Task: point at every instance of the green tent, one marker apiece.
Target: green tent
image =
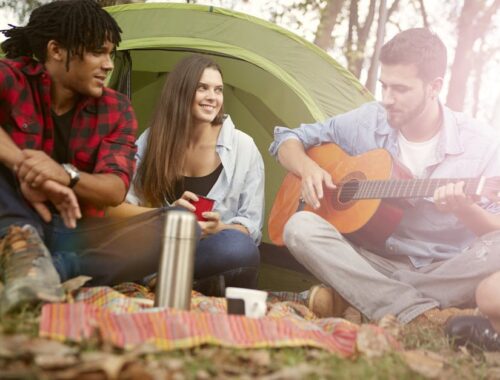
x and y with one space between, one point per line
271 76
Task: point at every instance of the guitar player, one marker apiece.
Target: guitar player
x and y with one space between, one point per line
444 245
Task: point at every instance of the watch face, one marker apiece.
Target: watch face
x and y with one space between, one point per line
74 174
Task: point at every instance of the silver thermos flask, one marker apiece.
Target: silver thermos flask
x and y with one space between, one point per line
175 275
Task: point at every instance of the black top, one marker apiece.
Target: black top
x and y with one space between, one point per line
62 130
197 185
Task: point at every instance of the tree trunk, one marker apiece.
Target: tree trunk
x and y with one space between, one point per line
423 12
352 27
355 53
495 117
371 81
474 20
462 64
327 22
481 58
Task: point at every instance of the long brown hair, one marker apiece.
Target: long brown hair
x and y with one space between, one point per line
170 131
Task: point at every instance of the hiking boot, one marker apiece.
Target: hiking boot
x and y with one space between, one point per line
473 330
27 270
325 302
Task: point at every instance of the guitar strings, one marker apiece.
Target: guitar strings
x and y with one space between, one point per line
351 188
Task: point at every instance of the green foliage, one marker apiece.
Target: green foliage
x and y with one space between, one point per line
22 321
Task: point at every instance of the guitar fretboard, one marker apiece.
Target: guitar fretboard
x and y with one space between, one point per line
397 188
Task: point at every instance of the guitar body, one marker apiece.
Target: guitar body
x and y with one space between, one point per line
367 222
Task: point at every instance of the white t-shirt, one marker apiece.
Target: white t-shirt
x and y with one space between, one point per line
417 156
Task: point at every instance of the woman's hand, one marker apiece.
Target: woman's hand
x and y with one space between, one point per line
212 225
184 201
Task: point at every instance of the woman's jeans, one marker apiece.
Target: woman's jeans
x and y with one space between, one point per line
117 250
229 256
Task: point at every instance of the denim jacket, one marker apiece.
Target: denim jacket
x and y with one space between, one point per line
239 190
466 148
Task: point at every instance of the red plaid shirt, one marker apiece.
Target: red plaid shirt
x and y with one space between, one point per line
103 129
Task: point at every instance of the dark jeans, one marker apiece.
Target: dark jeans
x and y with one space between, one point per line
117 250
229 253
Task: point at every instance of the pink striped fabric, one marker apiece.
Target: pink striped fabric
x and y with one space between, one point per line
169 329
123 322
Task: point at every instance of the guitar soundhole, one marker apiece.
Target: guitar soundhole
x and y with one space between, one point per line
348 191
344 196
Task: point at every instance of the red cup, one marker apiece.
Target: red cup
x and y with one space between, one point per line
203 204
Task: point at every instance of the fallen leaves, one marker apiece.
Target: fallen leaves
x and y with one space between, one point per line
440 316
260 358
53 362
22 356
22 346
375 341
74 284
426 363
391 325
372 342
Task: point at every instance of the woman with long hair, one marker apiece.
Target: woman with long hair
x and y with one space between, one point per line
192 149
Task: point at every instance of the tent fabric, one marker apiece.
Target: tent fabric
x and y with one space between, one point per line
271 76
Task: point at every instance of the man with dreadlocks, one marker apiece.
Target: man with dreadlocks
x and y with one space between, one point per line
66 142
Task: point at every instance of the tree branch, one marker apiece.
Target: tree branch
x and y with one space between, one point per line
392 8
423 12
327 22
484 21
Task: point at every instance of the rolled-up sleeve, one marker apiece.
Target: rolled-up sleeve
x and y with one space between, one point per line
308 134
141 145
251 205
117 149
340 129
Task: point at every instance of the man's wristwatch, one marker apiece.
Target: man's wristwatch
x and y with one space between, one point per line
74 174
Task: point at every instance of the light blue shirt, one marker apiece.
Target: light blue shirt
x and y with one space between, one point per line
466 148
239 190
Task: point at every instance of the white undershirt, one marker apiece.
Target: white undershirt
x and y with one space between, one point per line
417 156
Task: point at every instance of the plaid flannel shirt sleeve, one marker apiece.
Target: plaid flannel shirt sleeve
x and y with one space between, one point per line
9 92
117 149
15 102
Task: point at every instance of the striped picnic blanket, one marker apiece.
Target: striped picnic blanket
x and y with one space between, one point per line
128 322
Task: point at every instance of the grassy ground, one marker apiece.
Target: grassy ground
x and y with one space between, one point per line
425 353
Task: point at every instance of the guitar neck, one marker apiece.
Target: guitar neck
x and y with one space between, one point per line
405 188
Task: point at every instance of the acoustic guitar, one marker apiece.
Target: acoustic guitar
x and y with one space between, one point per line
366 206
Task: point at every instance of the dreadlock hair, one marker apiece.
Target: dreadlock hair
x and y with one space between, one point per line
78 25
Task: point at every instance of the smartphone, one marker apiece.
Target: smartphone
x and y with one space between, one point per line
202 205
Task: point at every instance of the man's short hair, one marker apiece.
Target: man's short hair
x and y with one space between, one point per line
418 46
